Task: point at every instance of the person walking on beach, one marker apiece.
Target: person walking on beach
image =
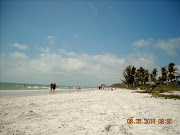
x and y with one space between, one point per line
51 85
54 86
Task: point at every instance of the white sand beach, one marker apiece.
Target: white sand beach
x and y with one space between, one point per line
101 112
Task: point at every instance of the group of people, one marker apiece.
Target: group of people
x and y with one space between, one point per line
53 86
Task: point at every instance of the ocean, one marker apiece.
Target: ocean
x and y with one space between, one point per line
20 89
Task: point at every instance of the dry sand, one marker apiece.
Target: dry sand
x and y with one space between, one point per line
100 112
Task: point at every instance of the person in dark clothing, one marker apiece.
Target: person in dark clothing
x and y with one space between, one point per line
54 86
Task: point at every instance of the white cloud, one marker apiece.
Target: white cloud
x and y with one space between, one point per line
169 46
42 54
13 65
51 40
139 59
109 59
19 46
76 69
17 55
70 68
46 50
62 51
142 42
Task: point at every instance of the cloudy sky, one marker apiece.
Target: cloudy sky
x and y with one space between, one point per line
77 42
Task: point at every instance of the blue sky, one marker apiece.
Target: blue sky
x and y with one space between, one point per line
86 42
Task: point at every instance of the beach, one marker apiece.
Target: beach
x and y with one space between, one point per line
99 112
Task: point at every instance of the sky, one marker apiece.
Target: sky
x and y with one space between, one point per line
86 43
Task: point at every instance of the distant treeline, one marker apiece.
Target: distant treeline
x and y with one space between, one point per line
134 77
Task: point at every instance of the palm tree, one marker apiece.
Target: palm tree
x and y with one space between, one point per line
171 70
128 74
164 73
153 75
137 77
159 81
146 76
142 75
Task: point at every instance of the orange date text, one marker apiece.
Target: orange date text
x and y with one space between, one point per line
149 121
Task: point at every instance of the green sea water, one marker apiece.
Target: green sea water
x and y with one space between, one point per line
20 89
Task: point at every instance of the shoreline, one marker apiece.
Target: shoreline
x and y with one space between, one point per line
21 93
99 112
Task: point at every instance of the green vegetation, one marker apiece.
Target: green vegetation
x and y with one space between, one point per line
147 81
146 86
133 77
166 96
166 88
160 88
